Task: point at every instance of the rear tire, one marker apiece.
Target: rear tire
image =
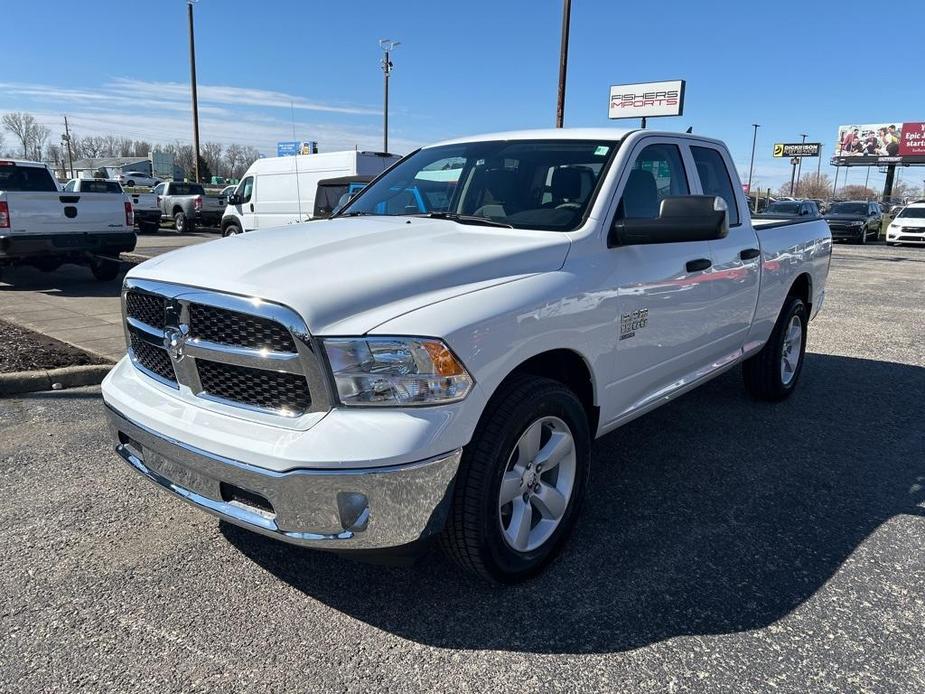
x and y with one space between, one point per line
105 269
862 239
526 467
773 373
182 223
131 184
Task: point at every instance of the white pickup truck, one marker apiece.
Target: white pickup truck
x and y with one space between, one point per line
435 360
43 226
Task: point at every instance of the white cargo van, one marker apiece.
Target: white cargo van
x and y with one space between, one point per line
282 190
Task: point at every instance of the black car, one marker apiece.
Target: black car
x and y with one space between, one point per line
854 220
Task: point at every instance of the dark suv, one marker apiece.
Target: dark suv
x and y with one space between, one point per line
854 220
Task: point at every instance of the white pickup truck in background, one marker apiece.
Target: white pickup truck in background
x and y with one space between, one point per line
144 205
45 227
435 360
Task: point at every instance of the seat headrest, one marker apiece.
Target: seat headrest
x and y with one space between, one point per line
500 184
566 184
640 197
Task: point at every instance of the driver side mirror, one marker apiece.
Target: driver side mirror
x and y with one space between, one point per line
681 218
234 199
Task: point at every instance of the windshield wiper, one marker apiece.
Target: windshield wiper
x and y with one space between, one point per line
357 214
466 219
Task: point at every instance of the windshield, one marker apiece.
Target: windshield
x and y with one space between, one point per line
849 208
525 184
913 212
95 186
784 208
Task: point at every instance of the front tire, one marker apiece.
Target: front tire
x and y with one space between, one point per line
520 485
773 373
231 230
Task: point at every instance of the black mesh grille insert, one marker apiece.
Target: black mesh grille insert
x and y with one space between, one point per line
153 358
268 389
146 308
238 329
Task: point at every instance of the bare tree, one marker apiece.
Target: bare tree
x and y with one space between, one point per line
811 187
857 192
31 134
234 155
92 147
211 154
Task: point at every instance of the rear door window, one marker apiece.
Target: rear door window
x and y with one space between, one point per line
32 179
715 179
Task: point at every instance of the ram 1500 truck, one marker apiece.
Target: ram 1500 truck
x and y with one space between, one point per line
434 361
188 206
43 226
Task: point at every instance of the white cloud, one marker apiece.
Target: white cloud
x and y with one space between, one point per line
161 112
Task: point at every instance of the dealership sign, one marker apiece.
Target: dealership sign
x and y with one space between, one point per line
873 144
647 99
797 149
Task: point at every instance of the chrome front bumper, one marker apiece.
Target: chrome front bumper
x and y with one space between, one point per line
367 508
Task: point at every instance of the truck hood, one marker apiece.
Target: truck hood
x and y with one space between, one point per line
346 276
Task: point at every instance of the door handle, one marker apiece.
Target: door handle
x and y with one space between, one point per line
749 253
698 265
252 207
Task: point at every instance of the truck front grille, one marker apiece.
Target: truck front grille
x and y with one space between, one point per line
240 352
232 328
152 358
255 387
146 308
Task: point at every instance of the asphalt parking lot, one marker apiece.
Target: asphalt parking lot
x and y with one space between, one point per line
726 546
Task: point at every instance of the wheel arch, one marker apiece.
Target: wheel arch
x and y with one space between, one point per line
802 287
567 366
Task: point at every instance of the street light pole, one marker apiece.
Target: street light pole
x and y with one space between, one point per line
751 165
563 62
387 46
800 166
192 68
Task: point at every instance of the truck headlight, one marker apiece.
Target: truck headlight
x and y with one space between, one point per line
396 371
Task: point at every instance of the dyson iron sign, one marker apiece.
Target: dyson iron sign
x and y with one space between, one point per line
647 99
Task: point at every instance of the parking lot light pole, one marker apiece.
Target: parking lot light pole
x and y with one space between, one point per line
800 166
751 165
192 68
563 62
387 46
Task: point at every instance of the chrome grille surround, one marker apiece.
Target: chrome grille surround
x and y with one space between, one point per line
287 371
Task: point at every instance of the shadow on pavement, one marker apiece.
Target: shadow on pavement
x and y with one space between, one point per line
68 280
714 514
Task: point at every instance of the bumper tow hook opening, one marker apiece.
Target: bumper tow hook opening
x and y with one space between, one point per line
353 508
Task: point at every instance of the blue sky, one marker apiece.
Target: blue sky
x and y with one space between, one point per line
474 66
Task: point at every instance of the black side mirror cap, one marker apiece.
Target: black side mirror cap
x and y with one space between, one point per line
681 218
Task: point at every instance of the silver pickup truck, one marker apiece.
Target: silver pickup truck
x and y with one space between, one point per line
188 206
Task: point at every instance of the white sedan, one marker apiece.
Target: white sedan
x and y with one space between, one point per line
137 178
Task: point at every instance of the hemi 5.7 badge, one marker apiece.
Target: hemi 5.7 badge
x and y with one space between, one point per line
631 322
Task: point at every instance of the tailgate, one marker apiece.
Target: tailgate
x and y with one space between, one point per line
144 201
62 212
213 204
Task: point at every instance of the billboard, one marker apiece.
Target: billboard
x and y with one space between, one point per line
294 147
797 149
647 99
873 144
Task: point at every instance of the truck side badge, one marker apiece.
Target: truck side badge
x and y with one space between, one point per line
631 322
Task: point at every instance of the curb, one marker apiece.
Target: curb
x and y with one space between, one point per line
53 379
133 258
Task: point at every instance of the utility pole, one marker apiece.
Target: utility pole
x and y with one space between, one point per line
793 172
751 165
800 166
67 141
387 46
563 62
192 69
